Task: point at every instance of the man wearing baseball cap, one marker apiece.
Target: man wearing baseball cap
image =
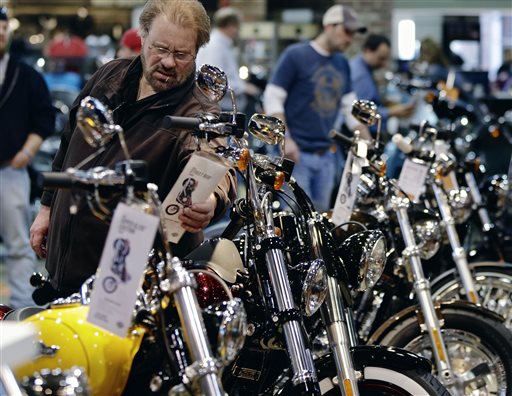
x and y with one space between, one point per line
310 90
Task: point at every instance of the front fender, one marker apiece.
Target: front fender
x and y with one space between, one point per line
488 265
375 356
390 357
440 306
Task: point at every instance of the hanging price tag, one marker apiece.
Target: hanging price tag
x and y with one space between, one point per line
121 267
196 182
412 178
346 197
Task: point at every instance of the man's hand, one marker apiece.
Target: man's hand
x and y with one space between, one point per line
291 150
198 216
39 230
20 160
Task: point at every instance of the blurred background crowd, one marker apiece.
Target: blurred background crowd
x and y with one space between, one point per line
67 40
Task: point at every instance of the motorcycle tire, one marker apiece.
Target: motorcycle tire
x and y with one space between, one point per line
382 381
476 343
493 282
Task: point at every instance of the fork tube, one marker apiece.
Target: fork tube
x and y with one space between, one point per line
339 338
487 224
422 289
304 377
304 374
204 367
458 252
477 199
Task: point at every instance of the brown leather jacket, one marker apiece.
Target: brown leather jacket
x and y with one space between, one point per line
75 242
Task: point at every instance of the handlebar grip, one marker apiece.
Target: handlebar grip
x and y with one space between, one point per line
53 180
340 137
181 122
403 144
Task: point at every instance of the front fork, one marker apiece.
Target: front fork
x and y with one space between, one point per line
304 377
458 251
422 289
340 340
204 368
487 224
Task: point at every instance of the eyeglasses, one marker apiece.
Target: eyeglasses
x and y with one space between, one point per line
349 32
178 56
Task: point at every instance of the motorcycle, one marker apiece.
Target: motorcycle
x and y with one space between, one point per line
483 282
311 277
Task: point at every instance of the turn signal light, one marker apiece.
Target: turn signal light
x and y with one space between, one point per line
382 168
279 180
430 97
243 159
495 132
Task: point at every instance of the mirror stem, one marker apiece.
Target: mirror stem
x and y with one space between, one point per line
233 102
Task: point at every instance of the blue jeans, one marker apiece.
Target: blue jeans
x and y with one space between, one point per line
315 175
14 230
394 161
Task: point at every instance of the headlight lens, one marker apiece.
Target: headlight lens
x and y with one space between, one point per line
461 204
315 287
232 328
428 237
364 255
376 259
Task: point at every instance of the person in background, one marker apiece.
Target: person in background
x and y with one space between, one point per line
130 44
375 54
309 86
220 52
26 118
142 90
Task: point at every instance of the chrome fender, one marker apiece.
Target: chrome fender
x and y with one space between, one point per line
489 265
440 306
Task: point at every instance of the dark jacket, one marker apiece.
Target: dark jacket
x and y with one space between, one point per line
25 108
75 242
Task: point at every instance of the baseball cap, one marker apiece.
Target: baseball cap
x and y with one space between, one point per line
131 39
3 14
345 15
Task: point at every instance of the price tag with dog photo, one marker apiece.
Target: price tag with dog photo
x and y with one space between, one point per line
196 182
121 267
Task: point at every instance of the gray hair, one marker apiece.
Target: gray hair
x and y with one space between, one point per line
185 13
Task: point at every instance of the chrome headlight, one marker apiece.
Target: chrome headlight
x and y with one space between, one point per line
364 255
428 237
232 328
460 204
315 287
496 189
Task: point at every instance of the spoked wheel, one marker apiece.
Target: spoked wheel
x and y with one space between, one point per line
479 350
493 283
